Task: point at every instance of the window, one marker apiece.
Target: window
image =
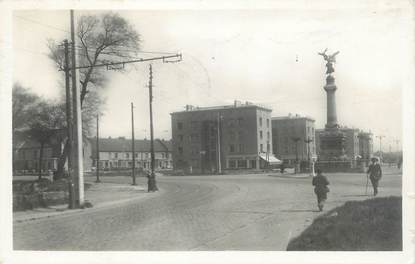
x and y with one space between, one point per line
241 163
241 148
232 164
267 122
260 134
136 155
180 149
162 155
240 135
115 155
231 148
268 135
240 121
180 125
181 137
261 148
260 121
127 155
146 155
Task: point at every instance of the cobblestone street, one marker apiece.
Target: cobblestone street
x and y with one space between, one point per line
239 212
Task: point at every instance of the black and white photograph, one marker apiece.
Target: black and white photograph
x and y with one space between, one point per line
280 128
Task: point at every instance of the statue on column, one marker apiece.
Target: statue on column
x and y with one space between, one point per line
331 59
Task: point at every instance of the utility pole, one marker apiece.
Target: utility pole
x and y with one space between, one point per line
218 147
77 115
69 126
133 142
152 185
380 147
97 149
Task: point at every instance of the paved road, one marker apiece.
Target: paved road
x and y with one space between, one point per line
244 212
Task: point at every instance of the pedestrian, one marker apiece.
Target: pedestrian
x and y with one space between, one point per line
375 173
320 183
282 167
399 163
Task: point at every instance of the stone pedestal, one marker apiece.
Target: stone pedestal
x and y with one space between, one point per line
332 144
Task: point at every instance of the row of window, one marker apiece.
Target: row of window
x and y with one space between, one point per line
127 155
260 122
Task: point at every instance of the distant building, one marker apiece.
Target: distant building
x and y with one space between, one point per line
365 145
285 130
240 134
116 153
26 152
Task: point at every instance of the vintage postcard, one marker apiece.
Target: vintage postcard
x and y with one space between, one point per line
195 132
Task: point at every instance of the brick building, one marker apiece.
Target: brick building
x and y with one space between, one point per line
290 135
240 134
115 153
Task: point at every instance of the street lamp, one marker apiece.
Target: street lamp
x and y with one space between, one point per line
296 140
308 141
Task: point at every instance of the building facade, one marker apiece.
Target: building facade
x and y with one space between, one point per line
293 138
116 153
26 153
208 139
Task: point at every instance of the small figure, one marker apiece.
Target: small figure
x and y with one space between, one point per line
375 173
282 167
320 182
399 163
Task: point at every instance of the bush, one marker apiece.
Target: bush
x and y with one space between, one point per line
374 224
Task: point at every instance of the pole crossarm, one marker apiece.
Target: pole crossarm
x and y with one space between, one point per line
163 58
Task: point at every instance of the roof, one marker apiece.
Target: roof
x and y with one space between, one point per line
237 104
292 117
124 145
23 139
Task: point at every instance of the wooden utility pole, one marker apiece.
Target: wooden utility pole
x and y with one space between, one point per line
77 116
97 149
69 142
133 143
152 186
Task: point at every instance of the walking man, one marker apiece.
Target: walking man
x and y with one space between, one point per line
320 183
375 173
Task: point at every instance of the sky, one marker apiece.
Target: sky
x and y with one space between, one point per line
264 56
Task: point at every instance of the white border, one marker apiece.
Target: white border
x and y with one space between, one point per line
7 255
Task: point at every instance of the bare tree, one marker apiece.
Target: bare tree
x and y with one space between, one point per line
102 38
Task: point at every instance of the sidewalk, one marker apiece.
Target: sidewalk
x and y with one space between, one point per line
99 195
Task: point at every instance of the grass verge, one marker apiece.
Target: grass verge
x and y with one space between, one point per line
369 225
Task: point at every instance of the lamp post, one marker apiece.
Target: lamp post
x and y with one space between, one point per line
296 140
308 141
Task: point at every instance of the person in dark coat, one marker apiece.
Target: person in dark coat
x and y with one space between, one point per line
375 173
320 183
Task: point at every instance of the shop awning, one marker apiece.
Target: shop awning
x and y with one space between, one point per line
271 159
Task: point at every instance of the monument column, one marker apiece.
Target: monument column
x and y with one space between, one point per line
330 89
332 139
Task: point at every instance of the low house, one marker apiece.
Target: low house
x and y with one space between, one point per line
116 153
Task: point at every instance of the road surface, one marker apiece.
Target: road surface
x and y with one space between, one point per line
238 212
